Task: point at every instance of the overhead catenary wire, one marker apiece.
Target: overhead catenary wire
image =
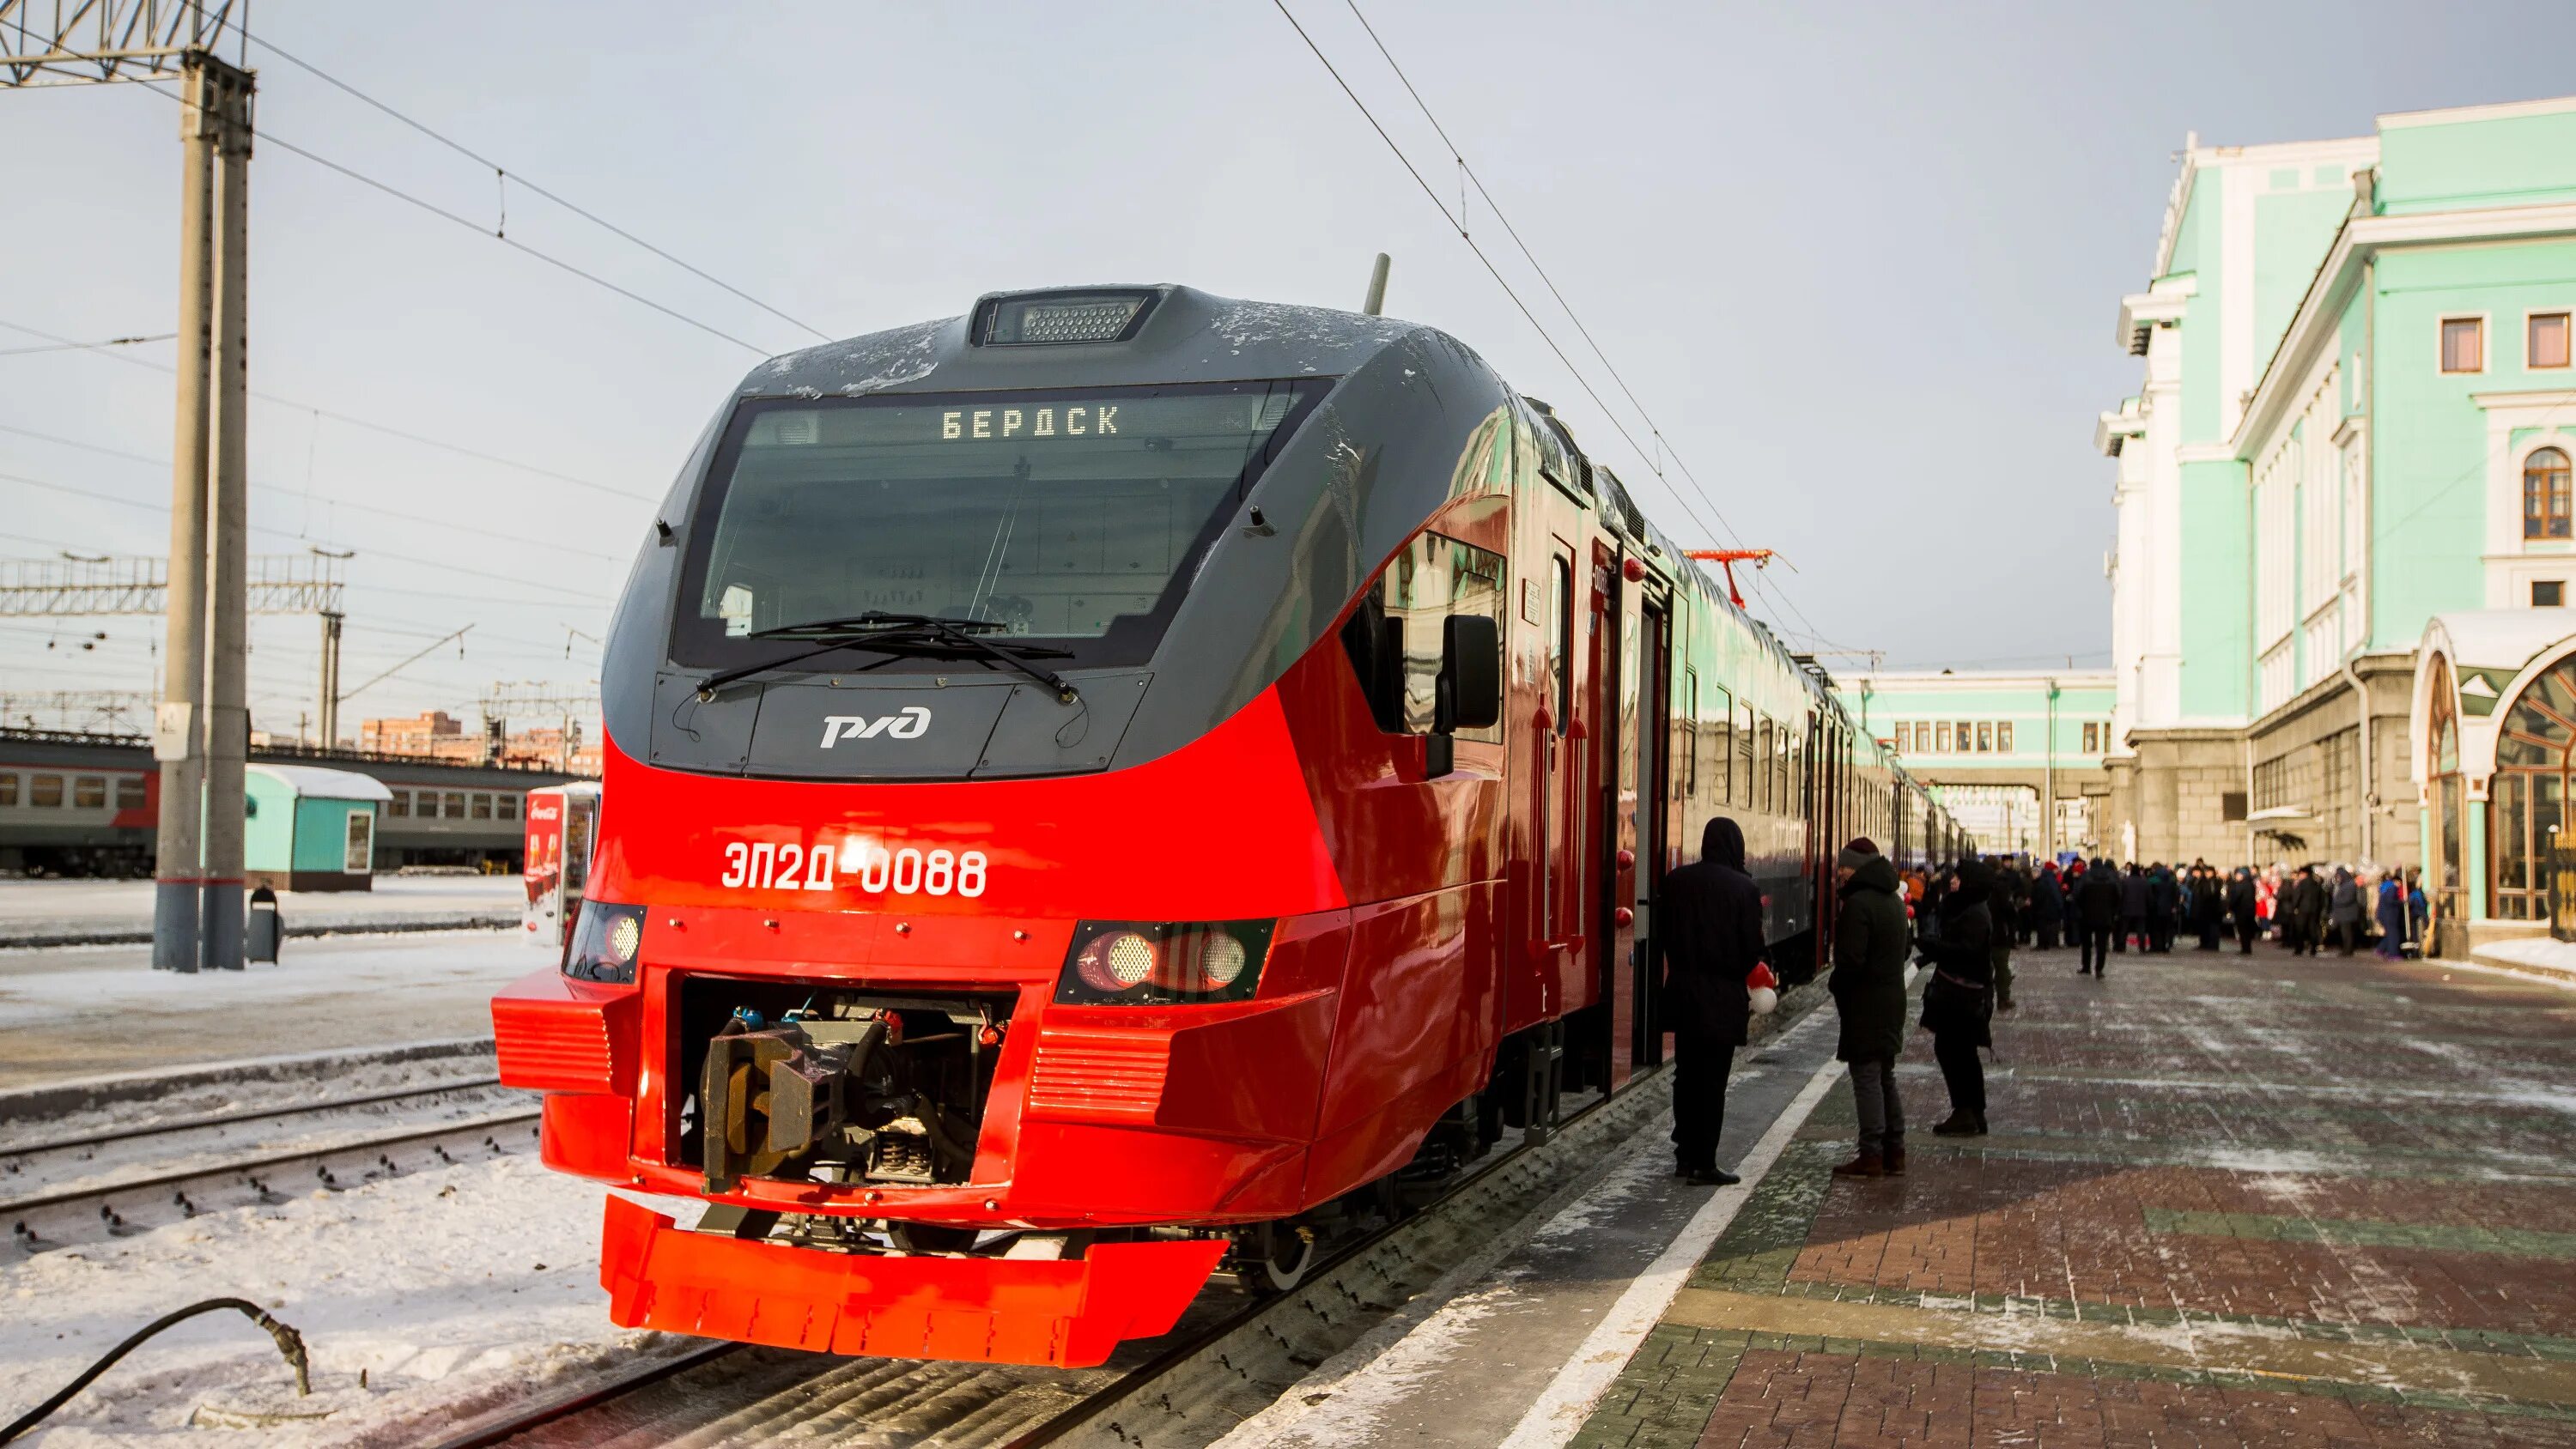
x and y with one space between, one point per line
501 235
1457 222
73 346
370 424
507 175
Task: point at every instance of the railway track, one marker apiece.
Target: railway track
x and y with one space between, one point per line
92 1186
1229 1357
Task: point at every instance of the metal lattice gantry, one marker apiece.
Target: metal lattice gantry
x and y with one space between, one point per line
85 42
67 588
537 699
123 711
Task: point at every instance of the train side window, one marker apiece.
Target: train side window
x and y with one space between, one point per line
130 794
1762 746
1743 795
482 806
1690 723
1560 633
1721 775
455 804
45 792
507 806
400 805
1395 637
89 792
8 788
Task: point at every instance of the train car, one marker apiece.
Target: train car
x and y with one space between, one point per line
83 804
1098 785
563 824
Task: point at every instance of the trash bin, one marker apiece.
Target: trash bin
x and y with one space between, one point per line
266 928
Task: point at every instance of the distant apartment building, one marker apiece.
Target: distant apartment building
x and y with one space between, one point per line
438 735
2352 437
2016 757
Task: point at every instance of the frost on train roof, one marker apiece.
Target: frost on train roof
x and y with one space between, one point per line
1188 336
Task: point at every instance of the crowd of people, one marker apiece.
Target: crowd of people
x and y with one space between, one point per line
1958 925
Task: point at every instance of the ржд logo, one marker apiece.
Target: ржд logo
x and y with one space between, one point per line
909 723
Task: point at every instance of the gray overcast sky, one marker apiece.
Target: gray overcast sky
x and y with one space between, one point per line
1860 262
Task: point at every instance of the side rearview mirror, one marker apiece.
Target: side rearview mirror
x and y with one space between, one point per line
1469 692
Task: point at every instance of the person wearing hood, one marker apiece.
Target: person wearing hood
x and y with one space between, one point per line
2391 917
2243 902
2163 898
2047 906
1959 998
2133 910
2306 930
1712 939
2344 911
1868 987
2097 915
2005 908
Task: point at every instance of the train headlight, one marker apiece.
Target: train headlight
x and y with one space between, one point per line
1163 963
606 943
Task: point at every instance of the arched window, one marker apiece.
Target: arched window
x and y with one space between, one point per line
2545 500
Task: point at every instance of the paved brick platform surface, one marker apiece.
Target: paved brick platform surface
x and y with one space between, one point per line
2226 1201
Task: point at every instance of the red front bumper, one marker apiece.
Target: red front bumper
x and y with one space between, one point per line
1068 1313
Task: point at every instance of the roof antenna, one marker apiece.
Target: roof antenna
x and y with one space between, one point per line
1376 303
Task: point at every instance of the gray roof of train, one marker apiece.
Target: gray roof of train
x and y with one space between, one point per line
1187 334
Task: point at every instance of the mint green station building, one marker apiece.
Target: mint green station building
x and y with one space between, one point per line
310 829
2348 462
2016 758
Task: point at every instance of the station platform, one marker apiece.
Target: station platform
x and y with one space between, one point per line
2227 1200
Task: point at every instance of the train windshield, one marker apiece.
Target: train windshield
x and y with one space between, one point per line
1075 517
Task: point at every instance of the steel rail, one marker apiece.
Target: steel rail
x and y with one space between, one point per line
84 1213
176 1125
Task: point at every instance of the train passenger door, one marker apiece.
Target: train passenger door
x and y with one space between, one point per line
1559 802
1636 1038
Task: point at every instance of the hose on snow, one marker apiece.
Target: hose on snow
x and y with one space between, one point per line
290 1344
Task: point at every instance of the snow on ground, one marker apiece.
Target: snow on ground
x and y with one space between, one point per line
29 906
2538 956
452 1290
86 1011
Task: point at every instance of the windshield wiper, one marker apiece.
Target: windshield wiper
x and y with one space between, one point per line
893 633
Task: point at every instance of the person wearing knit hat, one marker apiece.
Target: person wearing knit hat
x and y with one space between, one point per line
1871 940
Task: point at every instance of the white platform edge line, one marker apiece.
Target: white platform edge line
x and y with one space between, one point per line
1560 1411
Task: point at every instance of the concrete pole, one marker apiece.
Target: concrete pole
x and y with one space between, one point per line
1376 303
331 680
178 888
2048 806
228 583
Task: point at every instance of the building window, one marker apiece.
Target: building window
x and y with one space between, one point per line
2003 737
2548 593
2231 806
2544 340
1967 737
1943 745
45 792
1985 737
130 794
2545 507
2092 737
89 792
2464 344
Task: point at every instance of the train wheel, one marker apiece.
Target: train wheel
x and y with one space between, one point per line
1273 1258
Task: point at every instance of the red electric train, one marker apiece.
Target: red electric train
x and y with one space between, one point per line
1098 786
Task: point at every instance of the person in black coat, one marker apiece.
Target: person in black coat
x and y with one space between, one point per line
2047 906
1959 998
2307 913
2097 916
2163 898
2133 910
2241 908
1712 939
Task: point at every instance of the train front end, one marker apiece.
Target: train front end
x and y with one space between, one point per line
967 924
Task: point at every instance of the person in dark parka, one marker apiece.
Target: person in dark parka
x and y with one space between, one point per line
1712 940
2163 899
1959 999
2097 915
2241 900
2133 910
2047 906
2307 913
1871 940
